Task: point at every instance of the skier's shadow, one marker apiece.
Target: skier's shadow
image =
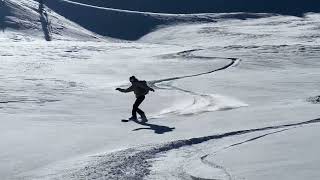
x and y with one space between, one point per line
158 129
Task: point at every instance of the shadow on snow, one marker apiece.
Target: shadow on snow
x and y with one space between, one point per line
44 22
3 13
158 129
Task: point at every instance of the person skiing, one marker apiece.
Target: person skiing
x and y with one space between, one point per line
140 89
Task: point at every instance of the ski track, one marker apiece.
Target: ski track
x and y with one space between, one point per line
134 163
223 169
214 165
201 102
187 54
314 100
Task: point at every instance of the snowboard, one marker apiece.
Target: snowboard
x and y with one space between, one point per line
139 119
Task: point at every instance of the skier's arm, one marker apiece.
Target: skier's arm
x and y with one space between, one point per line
151 89
125 90
148 88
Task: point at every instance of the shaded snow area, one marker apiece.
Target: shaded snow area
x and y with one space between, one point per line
27 19
236 95
130 25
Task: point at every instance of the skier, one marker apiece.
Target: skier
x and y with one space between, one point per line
140 89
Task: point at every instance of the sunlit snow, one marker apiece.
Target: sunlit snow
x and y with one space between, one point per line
236 98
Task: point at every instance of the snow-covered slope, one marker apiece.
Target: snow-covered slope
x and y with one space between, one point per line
290 30
26 19
286 7
130 25
236 96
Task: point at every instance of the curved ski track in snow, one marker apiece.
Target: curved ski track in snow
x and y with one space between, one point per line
201 102
224 174
232 62
134 163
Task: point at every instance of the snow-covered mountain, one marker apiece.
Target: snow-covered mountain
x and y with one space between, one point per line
27 18
237 94
286 7
130 25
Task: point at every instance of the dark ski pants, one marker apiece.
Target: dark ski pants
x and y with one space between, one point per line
136 105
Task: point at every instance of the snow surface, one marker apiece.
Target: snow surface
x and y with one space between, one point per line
130 25
27 19
235 98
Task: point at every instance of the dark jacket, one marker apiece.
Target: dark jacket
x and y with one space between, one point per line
140 88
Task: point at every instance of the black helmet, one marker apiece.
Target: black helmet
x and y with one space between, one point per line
133 78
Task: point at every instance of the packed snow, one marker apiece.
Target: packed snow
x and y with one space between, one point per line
236 98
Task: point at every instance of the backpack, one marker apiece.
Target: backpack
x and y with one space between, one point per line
144 87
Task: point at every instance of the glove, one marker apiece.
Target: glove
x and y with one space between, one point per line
152 90
118 89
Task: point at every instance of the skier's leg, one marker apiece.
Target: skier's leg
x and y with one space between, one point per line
134 111
141 113
138 109
136 105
